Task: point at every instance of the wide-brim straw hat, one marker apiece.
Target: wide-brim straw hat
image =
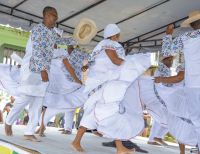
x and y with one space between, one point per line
85 31
193 16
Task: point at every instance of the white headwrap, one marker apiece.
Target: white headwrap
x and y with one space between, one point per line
111 30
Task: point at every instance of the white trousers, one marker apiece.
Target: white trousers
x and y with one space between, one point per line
193 99
35 105
69 116
157 131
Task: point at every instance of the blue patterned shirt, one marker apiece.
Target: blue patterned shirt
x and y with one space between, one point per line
177 45
76 59
163 71
43 40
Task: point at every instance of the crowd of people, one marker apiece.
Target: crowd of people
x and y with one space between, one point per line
117 90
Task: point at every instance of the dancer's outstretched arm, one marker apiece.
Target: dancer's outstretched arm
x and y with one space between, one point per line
71 70
172 79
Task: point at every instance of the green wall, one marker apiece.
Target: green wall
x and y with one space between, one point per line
12 38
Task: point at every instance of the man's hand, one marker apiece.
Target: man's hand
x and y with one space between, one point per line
84 68
157 79
44 76
170 30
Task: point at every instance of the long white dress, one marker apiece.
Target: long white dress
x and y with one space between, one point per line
62 93
113 106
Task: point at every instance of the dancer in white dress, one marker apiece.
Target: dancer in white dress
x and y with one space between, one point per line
113 106
65 90
76 58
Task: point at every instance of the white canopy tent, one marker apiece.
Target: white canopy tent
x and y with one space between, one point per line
142 22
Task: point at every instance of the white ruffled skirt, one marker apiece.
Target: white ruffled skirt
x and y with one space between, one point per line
9 76
70 100
114 107
61 92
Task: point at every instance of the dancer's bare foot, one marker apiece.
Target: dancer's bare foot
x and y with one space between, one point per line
41 131
8 130
77 147
153 143
126 151
159 140
31 138
67 132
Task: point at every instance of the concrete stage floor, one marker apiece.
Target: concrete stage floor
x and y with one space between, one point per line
57 143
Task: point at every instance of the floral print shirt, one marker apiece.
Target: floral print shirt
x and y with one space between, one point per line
163 71
177 45
76 59
43 41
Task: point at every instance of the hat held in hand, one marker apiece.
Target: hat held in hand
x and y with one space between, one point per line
85 31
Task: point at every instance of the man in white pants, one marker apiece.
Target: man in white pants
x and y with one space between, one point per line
157 134
189 43
34 72
158 131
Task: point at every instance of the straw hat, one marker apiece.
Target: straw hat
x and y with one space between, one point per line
193 16
85 31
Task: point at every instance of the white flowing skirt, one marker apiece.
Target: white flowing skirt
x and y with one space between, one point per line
70 100
7 79
61 92
29 83
151 102
182 129
114 107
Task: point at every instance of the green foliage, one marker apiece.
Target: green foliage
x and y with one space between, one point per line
13 36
